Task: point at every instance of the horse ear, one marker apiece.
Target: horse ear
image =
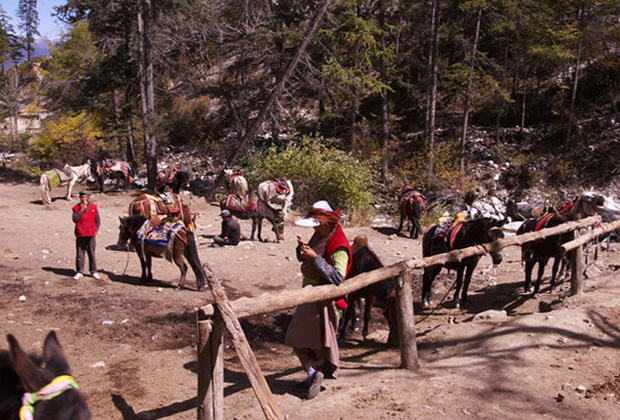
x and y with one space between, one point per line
54 356
31 377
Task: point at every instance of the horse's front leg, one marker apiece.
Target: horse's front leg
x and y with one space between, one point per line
400 225
427 282
554 272
143 266
149 265
254 223
459 284
369 301
417 227
70 188
468 274
529 267
541 271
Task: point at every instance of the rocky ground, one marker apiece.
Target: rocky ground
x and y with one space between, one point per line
132 346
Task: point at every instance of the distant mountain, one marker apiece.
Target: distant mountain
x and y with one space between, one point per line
41 49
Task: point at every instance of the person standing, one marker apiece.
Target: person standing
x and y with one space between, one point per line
326 259
87 222
231 231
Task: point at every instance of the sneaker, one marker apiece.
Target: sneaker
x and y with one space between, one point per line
78 276
315 385
96 276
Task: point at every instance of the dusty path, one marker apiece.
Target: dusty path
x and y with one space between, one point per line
143 364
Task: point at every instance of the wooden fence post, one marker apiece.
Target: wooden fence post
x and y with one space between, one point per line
406 322
576 266
210 402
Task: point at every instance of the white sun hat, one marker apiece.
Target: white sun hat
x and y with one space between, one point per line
310 221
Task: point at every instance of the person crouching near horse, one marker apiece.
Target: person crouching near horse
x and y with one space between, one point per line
312 332
87 222
231 231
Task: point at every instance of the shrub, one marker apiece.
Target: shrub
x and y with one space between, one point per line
70 139
319 172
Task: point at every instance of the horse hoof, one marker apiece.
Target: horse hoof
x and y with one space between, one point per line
535 295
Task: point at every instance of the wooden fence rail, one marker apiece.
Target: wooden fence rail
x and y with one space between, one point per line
213 318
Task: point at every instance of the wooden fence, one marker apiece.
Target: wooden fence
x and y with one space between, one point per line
212 318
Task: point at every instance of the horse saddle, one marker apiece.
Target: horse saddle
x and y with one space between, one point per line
543 222
447 231
281 186
236 203
171 204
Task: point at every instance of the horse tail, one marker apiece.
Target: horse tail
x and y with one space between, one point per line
191 253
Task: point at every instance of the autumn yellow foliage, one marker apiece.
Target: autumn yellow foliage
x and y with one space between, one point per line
69 139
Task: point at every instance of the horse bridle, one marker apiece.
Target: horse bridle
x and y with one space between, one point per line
56 387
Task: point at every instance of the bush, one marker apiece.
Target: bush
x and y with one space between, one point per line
70 139
319 172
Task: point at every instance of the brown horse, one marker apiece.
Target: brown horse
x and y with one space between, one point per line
183 244
411 204
41 386
256 210
542 250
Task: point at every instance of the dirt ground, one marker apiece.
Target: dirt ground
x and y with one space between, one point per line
132 346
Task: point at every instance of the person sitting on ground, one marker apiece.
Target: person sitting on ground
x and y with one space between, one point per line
231 232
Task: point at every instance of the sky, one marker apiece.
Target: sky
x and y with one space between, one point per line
49 27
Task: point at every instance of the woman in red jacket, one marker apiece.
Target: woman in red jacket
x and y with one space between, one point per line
326 259
87 221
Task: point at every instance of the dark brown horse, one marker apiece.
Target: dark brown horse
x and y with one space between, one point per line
256 210
382 293
445 238
116 169
183 245
539 252
411 204
172 179
40 386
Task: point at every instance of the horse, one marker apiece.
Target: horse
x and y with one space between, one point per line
523 211
411 205
173 179
69 176
170 240
540 251
116 169
41 386
440 238
365 260
255 210
277 194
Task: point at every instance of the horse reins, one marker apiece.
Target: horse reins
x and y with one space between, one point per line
56 387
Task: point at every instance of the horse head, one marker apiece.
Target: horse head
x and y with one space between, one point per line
278 227
587 204
493 233
128 229
51 391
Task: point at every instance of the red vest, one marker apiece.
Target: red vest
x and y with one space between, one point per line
86 226
337 240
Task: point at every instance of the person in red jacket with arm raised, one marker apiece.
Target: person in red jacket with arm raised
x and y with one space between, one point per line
87 221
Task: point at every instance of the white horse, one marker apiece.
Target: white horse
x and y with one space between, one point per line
277 194
69 176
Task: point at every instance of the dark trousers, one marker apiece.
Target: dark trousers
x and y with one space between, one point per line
85 244
218 240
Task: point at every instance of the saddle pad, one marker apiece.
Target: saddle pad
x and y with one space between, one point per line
159 235
234 202
281 186
53 178
443 228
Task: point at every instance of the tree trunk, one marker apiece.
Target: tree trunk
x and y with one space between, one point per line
117 124
432 83
255 124
147 90
470 80
573 95
384 132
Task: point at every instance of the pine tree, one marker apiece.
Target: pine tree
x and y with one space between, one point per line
27 13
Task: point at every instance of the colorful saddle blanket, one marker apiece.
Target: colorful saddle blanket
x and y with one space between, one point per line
157 205
53 178
116 165
158 235
236 203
